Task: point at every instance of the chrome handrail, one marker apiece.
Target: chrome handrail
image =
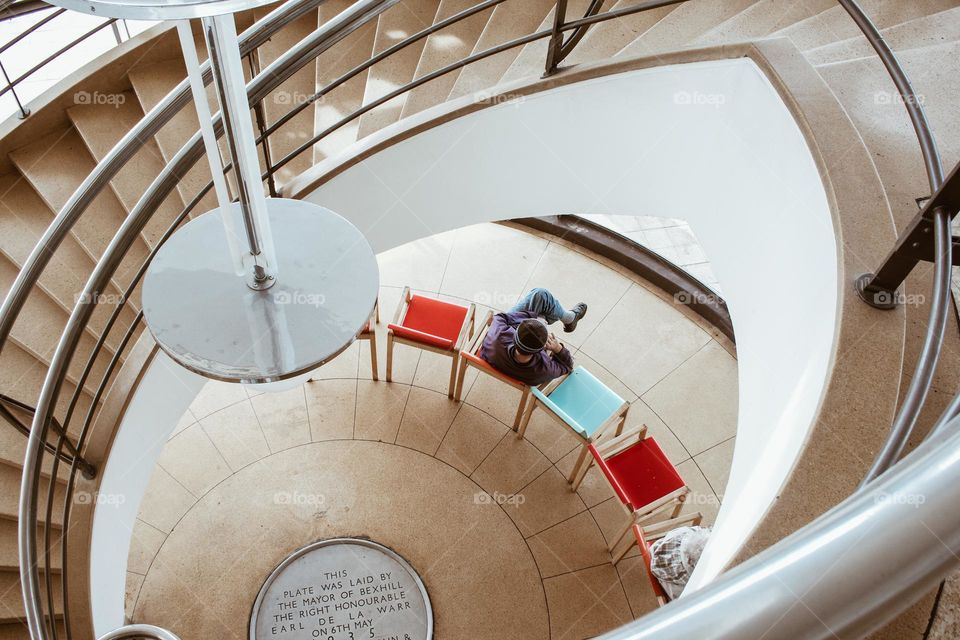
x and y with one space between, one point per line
266 81
139 631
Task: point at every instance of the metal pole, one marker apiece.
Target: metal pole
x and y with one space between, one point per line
221 37
556 40
195 76
13 90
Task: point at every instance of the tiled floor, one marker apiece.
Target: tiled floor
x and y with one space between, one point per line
505 548
668 237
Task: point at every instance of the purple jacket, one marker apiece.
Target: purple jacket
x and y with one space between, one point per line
498 349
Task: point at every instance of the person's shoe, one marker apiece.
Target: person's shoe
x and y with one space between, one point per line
579 311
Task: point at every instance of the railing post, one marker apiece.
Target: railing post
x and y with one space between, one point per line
556 40
13 90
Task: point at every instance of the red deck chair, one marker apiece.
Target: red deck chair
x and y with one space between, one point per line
432 325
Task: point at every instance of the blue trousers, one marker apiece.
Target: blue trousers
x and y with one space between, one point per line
541 302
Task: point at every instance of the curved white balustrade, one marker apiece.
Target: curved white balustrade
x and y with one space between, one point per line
709 142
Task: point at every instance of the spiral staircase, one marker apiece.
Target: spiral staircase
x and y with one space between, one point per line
368 83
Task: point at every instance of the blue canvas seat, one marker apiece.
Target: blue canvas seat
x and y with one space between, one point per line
582 403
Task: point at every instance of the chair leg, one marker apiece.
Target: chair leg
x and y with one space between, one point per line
526 417
374 365
618 556
620 535
523 403
581 459
578 480
461 374
453 375
389 356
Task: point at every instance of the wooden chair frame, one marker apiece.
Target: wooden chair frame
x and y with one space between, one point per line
655 532
454 352
372 337
473 349
618 417
672 502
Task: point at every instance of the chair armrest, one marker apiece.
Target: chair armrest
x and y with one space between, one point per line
474 344
468 321
402 307
625 440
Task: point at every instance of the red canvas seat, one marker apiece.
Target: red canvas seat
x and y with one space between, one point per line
431 325
640 474
433 322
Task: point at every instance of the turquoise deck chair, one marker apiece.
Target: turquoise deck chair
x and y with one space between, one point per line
584 405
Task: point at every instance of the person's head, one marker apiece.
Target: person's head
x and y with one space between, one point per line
530 339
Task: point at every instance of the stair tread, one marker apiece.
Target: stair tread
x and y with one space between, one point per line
836 24
67 272
396 23
9 555
11 597
442 48
763 18
507 22
925 31
101 126
291 93
151 84
22 375
338 60
531 60
684 25
10 495
56 165
608 38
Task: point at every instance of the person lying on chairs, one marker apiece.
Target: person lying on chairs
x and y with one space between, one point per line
520 345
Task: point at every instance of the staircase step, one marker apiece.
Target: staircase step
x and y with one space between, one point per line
55 166
9 558
151 84
396 23
13 449
443 48
508 22
101 126
608 38
40 325
684 25
291 93
11 597
67 272
19 631
763 18
10 496
21 377
531 61
926 31
835 23
869 97
347 54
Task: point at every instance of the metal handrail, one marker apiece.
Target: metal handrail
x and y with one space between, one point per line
266 81
139 631
913 401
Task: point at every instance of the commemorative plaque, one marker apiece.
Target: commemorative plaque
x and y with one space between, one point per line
343 589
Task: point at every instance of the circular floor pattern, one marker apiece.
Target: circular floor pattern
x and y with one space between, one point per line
505 548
